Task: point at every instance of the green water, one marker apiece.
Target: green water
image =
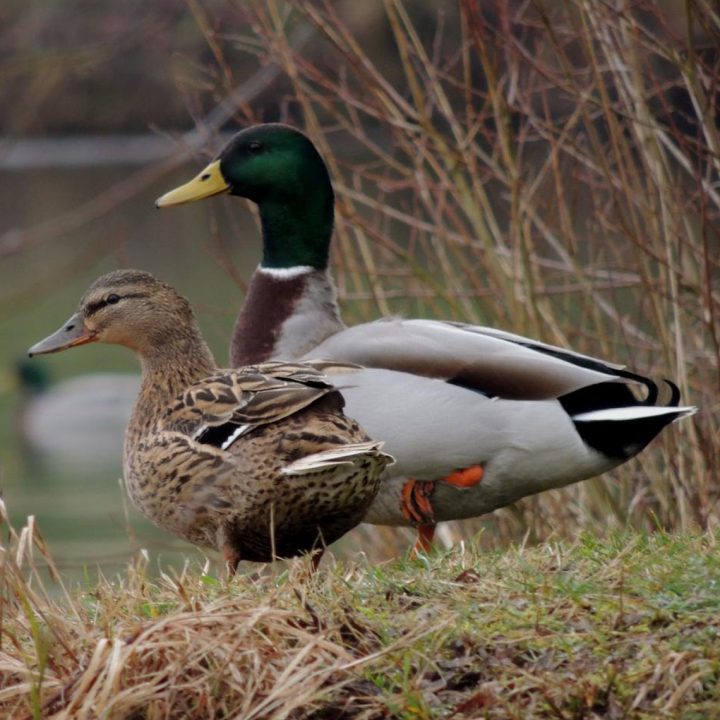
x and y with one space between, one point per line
80 507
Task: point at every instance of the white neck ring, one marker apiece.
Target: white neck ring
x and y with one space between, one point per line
286 273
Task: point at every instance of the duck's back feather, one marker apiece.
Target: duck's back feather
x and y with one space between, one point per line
492 362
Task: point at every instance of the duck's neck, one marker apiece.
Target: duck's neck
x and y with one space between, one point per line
291 304
287 312
297 226
169 366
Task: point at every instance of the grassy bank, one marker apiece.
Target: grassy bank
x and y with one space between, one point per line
621 628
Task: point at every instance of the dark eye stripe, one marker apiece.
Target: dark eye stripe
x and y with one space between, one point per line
111 299
92 308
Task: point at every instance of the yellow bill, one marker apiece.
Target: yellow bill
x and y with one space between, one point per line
206 184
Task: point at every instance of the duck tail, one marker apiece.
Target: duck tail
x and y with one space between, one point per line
612 419
338 457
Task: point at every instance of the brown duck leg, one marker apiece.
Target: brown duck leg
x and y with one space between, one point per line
415 504
424 542
417 509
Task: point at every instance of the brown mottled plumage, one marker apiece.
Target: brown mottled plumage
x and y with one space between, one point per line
259 462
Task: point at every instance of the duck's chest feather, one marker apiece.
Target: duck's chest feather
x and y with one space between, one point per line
180 486
286 313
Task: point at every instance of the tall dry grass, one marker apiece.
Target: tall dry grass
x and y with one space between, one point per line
623 627
546 167
181 646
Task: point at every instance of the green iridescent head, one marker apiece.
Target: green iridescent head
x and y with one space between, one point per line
277 167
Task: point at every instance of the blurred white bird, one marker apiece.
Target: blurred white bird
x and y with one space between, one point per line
78 421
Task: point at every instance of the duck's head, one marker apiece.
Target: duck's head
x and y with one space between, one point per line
124 307
264 163
277 167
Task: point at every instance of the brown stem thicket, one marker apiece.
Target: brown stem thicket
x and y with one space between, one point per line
546 167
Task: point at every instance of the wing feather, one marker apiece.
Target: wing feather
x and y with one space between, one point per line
493 362
229 404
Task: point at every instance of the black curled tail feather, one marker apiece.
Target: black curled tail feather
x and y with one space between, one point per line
657 390
621 438
674 400
653 391
602 396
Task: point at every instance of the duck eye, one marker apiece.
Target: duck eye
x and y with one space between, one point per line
112 299
255 148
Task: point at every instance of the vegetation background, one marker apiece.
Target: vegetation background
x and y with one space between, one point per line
550 167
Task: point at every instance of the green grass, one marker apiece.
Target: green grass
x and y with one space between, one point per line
626 627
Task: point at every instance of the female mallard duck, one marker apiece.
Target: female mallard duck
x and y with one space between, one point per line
482 417
258 462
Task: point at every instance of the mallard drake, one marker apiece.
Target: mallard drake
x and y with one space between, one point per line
258 462
77 421
480 418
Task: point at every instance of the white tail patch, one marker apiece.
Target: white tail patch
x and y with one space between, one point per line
634 412
337 457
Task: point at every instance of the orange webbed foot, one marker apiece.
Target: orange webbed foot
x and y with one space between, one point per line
415 504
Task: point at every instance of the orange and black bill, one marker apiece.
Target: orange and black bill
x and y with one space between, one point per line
72 333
